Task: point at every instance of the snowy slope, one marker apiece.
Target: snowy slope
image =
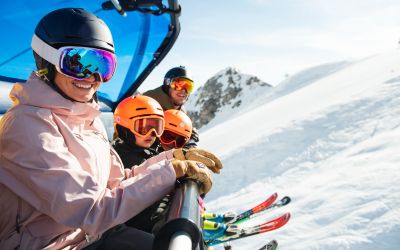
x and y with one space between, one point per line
333 146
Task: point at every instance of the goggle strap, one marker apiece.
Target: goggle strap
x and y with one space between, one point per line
45 51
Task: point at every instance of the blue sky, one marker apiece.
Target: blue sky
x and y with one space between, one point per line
271 39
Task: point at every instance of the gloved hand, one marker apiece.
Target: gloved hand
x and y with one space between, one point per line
200 155
195 171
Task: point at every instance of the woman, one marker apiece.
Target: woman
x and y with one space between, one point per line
61 184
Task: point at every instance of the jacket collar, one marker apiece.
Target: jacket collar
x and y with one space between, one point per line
35 92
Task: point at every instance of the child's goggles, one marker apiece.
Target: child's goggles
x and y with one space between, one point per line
143 127
77 62
182 83
169 137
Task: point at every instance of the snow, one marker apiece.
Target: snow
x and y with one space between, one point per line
328 137
332 144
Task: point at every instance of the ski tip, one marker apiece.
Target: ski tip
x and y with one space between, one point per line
285 218
274 195
282 220
285 200
271 245
286 215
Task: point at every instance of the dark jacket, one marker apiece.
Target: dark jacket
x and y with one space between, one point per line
132 155
129 152
160 94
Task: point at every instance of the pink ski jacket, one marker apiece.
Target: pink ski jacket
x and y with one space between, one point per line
61 183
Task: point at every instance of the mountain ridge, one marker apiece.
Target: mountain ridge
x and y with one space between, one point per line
224 90
230 93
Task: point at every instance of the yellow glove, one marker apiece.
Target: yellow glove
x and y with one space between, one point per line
195 171
200 155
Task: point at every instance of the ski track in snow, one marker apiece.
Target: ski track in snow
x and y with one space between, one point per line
338 162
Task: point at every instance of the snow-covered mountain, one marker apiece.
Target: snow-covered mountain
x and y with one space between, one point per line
230 93
223 94
329 138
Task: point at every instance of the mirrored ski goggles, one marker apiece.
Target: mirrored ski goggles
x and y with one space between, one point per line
182 83
169 137
142 126
77 62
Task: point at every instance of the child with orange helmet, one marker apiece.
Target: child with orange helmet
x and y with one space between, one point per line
138 122
177 130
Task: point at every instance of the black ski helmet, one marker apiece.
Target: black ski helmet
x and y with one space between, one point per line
175 72
74 27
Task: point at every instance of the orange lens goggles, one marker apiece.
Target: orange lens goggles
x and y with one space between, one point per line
182 83
169 137
145 126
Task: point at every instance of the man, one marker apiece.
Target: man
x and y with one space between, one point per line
174 93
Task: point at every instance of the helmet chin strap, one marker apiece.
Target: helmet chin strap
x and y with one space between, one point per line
47 72
48 77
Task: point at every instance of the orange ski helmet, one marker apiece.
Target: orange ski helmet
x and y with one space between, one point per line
141 115
178 128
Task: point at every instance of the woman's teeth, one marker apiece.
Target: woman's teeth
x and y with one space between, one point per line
83 86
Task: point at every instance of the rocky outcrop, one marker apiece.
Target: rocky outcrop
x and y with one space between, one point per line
222 91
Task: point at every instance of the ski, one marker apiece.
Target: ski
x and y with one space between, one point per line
231 217
272 245
260 207
282 202
234 232
217 226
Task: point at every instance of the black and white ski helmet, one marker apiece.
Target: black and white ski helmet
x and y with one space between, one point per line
176 72
72 27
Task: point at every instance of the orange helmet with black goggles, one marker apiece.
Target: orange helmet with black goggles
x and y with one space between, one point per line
178 128
181 83
77 62
142 115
